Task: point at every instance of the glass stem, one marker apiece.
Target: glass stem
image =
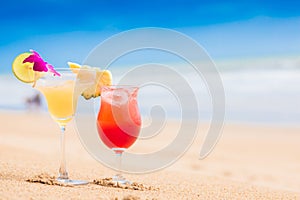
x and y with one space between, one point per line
63 174
119 163
118 177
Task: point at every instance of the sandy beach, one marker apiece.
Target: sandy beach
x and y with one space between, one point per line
249 162
193 62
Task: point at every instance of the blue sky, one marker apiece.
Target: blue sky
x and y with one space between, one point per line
22 18
225 28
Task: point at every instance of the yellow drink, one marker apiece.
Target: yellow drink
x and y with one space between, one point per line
60 101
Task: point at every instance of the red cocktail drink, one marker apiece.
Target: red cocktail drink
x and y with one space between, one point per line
119 120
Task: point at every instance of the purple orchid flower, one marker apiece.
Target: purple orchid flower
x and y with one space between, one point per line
39 64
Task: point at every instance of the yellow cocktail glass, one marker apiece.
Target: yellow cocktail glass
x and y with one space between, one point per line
61 93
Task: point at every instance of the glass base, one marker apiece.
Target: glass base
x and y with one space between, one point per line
72 182
120 179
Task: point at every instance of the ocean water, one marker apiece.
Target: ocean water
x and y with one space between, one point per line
13 93
265 96
257 90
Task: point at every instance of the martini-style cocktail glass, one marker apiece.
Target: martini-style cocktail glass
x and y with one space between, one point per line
119 121
61 93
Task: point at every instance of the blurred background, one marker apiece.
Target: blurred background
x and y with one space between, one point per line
254 44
